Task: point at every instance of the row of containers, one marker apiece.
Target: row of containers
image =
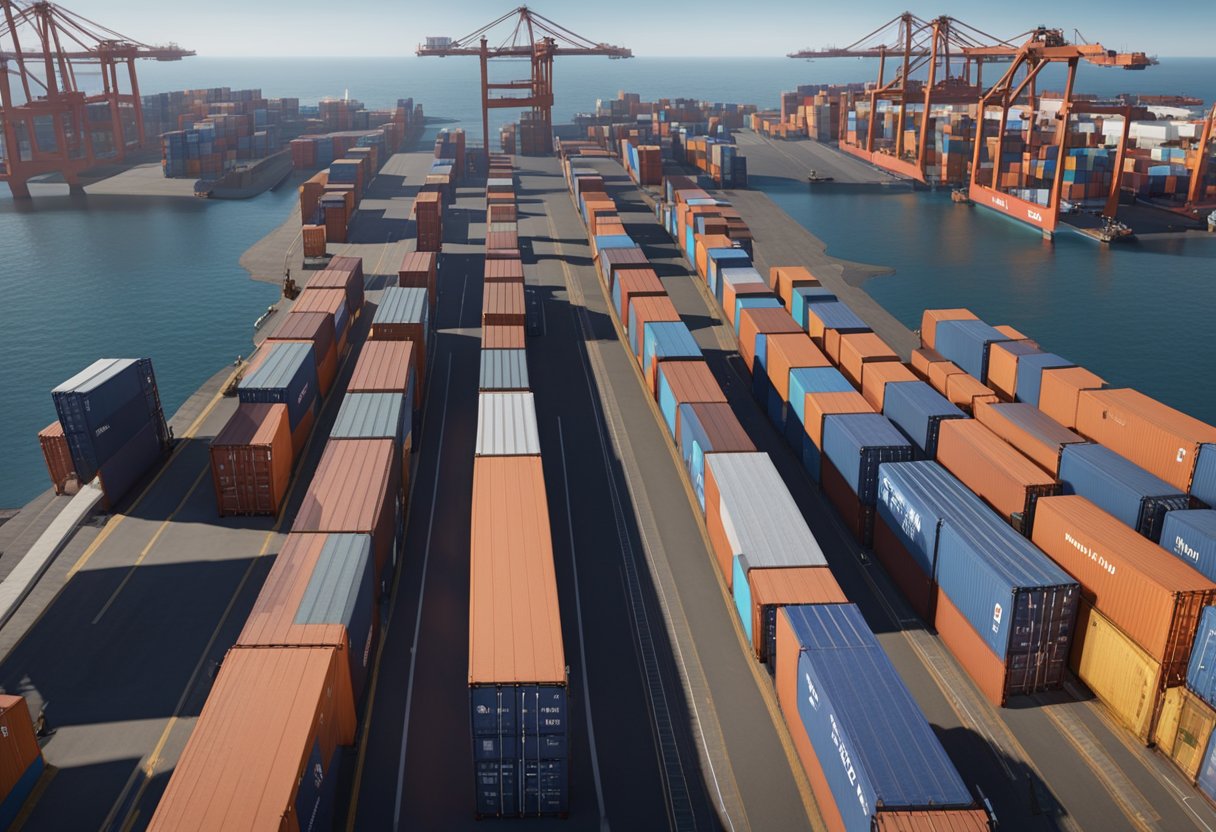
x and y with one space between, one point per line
1040 521
110 427
285 707
869 753
518 691
330 197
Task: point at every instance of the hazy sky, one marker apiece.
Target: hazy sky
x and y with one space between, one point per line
649 27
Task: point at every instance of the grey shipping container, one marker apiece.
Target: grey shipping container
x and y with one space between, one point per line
504 370
506 424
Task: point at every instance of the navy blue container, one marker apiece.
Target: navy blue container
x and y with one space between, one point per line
317 791
1030 374
966 343
1203 481
1191 537
520 749
1201 671
804 380
918 411
873 743
129 463
103 407
857 443
1119 487
342 590
287 376
804 296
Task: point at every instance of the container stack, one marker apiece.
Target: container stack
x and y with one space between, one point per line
428 214
112 424
309 643
450 145
790 607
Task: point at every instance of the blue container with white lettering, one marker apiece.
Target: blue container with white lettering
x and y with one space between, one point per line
1191 537
1201 671
857 443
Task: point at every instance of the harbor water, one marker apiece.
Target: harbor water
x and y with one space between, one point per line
84 277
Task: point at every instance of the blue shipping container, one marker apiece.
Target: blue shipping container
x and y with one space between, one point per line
520 749
1119 487
918 410
287 376
804 380
836 315
753 302
1191 536
604 241
667 339
1203 481
129 463
373 416
720 258
1030 374
857 443
874 744
966 343
1201 671
804 296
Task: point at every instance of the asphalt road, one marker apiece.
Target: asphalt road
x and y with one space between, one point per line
1048 762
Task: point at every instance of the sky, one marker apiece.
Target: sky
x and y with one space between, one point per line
297 28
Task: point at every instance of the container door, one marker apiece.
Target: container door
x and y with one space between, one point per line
495 749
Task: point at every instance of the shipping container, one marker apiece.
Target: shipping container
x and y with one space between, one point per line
835 317
930 319
866 746
1035 435
509 270
922 359
643 310
708 428
348 279
357 489
629 283
498 337
684 382
859 348
385 367
1119 488
967 344
918 411
58 458
1203 483
330 302
21 763
1030 374
783 352
785 279
1156 437
1152 597
913 500
1003 360
128 465
857 443
611 261
760 593
1184 728
753 325
506 424
251 460
263 753
287 375
517 667
804 297
377 416
320 593
1191 537
1127 680
421 269
749 512
740 289
803 382
665 341
1201 667
989 466
940 373
878 376
816 408
316 328
1059 390
504 370
503 303
967 392
106 405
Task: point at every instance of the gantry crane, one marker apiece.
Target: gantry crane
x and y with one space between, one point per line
1042 48
534 37
949 51
46 122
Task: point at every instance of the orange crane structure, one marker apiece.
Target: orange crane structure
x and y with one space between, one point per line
48 123
530 36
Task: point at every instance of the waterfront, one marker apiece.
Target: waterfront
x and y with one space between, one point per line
160 277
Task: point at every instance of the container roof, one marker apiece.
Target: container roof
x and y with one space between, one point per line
369 416
506 424
386 366
348 488
95 375
504 369
401 305
252 424
282 363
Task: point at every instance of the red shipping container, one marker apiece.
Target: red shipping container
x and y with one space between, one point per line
421 269
1158 438
1145 591
767 320
349 280
251 460
507 269
917 587
502 303
648 309
58 457
503 337
314 240
633 283
332 302
385 367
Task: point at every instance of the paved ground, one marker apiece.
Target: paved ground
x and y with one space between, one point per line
794 159
1051 762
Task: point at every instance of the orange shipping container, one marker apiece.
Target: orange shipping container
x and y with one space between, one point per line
502 303
965 391
922 359
503 337
58 457
767 320
784 279
330 301
859 348
515 632
1155 436
508 269
1042 445
940 373
731 292
421 268
788 351
250 754
21 762
1059 389
932 317
314 240
990 467
648 309
251 460
1003 365
877 375
632 283
1147 593
776 587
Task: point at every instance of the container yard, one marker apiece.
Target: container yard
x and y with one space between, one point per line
570 481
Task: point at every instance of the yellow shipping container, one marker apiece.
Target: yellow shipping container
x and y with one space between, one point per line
1125 678
1184 729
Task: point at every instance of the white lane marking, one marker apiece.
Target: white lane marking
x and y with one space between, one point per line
426 557
582 648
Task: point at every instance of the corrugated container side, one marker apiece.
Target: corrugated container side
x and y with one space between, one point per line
930 319
1119 487
817 407
1203 484
251 460
1120 673
1201 667
1035 435
967 344
878 376
1184 727
1003 365
760 593
1030 374
1059 390
21 764
857 444
918 411
708 428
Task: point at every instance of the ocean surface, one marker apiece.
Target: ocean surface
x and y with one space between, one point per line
89 277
